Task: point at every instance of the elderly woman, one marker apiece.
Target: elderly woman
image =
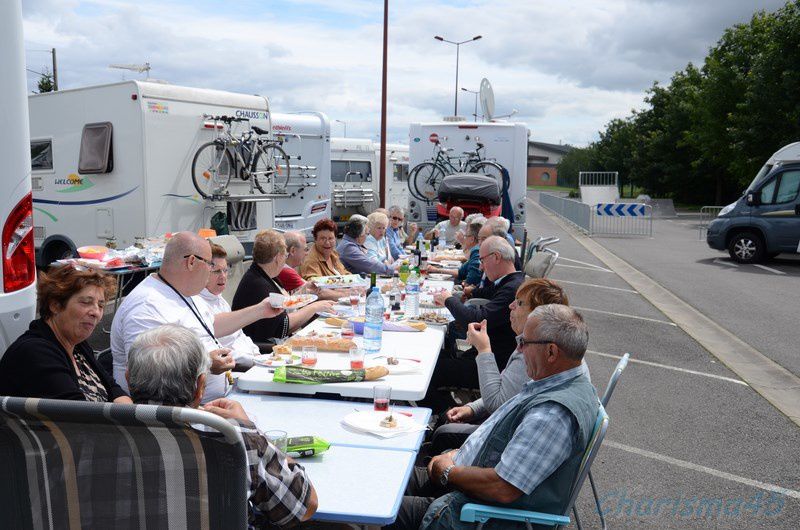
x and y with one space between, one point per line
322 259
52 359
469 273
482 371
353 252
377 244
261 279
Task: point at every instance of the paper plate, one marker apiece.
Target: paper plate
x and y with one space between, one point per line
439 277
302 300
267 359
403 366
369 421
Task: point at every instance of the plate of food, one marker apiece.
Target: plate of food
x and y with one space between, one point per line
381 423
397 365
433 318
335 282
296 301
439 276
271 360
322 341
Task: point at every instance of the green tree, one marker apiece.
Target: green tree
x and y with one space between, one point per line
45 82
576 160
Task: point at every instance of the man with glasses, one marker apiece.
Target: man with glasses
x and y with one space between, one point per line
170 296
527 453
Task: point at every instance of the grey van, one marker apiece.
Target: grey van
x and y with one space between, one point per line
765 221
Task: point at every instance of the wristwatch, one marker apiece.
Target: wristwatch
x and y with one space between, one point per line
446 474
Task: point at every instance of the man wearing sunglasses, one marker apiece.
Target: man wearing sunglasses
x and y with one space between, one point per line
528 452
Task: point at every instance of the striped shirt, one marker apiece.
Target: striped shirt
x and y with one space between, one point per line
543 440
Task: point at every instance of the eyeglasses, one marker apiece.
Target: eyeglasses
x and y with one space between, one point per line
521 342
201 258
394 218
221 272
481 258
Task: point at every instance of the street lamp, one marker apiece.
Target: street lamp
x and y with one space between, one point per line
458 46
344 123
476 92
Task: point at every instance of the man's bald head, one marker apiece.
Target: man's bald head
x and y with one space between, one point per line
186 263
183 244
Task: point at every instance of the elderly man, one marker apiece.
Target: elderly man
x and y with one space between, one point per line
496 258
527 453
353 253
167 365
448 229
395 234
170 296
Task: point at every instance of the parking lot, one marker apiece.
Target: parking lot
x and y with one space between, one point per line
691 444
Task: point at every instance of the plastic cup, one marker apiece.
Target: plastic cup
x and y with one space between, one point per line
347 330
309 356
381 394
354 297
278 439
276 300
356 358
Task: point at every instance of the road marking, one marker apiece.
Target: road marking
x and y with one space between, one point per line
770 269
728 263
584 263
626 316
668 367
703 469
595 285
582 267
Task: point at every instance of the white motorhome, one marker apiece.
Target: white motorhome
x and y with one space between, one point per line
504 143
114 161
355 176
18 270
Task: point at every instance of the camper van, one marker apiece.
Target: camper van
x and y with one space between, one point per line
111 163
355 174
18 270
765 221
504 143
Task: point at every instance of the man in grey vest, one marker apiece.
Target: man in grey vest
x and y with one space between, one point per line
525 455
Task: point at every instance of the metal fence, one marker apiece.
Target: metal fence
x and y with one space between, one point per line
707 214
625 219
598 178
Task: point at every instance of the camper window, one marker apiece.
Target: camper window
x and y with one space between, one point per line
787 191
41 155
351 171
401 173
96 154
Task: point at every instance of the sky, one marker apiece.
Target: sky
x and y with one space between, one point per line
567 67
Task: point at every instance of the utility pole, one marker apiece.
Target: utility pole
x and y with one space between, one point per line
55 70
382 187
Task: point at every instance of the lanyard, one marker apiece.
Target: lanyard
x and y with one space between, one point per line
192 308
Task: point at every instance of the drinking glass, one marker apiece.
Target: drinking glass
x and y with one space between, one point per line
309 357
278 439
356 358
381 394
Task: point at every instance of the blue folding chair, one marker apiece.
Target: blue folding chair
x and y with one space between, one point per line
481 513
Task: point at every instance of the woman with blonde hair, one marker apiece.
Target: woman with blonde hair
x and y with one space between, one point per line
376 243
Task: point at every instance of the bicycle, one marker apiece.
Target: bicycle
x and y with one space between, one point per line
248 157
424 178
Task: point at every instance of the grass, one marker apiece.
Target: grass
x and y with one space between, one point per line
551 188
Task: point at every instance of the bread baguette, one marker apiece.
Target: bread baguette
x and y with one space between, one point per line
371 373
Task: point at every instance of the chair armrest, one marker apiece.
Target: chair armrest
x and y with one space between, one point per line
473 513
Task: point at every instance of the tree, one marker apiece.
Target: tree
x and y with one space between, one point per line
45 82
576 160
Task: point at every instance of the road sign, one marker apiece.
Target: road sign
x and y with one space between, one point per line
434 138
620 209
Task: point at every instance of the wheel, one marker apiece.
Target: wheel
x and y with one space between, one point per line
746 247
424 180
212 168
271 165
492 169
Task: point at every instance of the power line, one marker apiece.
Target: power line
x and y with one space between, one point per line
38 73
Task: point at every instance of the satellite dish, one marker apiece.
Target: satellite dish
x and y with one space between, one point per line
486 95
141 68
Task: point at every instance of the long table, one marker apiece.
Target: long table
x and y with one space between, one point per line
424 345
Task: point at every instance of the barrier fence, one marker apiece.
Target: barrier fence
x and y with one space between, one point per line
707 214
626 219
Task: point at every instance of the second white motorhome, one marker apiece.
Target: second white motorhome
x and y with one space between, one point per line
113 162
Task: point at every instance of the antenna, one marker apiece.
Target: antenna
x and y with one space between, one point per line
134 68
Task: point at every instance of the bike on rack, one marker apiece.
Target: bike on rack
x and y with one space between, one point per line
424 178
248 157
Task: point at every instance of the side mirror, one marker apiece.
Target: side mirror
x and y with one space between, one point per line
752 199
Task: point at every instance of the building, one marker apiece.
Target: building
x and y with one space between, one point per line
543 159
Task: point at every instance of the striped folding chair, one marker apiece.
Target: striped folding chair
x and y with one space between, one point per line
72 464
481 513
541 264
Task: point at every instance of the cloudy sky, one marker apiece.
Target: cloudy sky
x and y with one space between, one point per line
566 66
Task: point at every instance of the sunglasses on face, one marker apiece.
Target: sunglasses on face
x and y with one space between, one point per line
521 341
396 218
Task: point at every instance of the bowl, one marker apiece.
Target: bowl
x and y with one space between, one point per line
93 252
358 325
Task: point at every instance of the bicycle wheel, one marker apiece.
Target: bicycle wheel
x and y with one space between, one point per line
492 169
424 180
271 165
212 168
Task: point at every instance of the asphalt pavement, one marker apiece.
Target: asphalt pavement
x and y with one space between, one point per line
690 444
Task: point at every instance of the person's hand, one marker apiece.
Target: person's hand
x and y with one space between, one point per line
460 237
478 337
440 297
468 290
221 361
323 306
460 414
309 287
267 311
438 464
226 408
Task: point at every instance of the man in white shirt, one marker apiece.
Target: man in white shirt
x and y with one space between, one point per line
170 297
242 347
448 229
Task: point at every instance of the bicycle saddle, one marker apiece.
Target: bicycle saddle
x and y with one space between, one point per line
259 130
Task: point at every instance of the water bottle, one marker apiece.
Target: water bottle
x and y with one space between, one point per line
412 295
373 324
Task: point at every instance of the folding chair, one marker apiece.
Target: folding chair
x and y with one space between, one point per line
541 264
73 464
481 513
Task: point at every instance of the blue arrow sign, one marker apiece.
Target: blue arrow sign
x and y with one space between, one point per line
620 209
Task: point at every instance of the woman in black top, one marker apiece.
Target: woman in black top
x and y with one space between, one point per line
261 279
52 359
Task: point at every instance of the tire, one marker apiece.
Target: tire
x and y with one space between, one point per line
746 247
212 169
424 180
492 169
270 166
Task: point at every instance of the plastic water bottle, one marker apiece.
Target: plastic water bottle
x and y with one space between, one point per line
373 323
412 295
